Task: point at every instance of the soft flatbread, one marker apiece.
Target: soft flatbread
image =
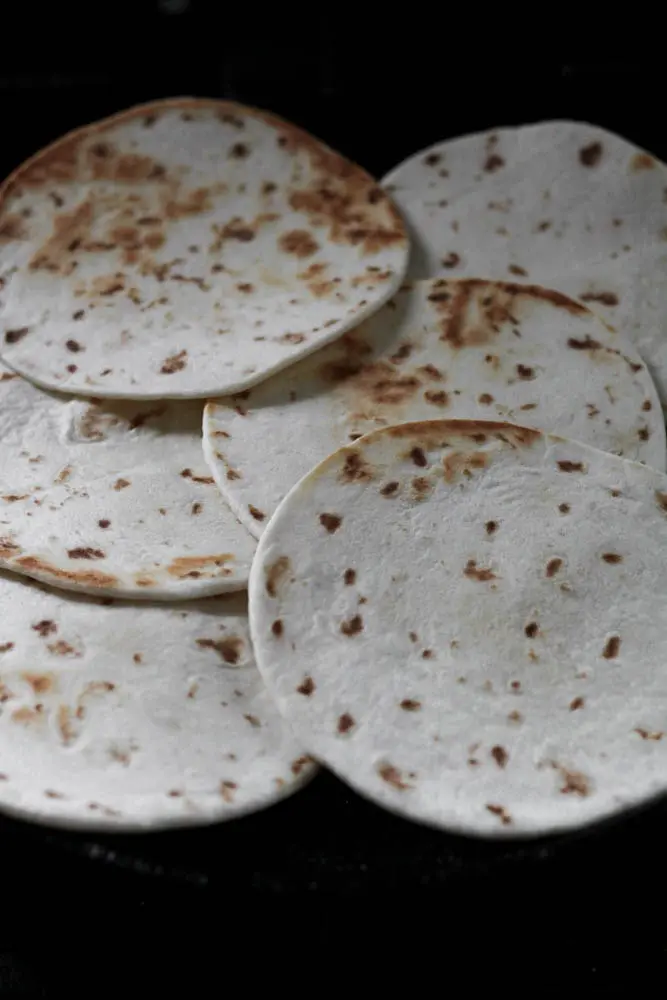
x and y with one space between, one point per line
135 716
113 499
467 622
466 348
187 248
561 203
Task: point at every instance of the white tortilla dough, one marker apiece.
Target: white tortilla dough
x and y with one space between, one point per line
468 348
113 499
135 716
561 203
187 248
466 621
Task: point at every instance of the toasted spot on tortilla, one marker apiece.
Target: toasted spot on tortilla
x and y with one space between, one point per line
174 363
574 782
566 466
604 298
642 161
355 469
298 242
86 578
393 777
612 647
475 572
86 553
330 522
390 489
352 626
502 813
345 723
647 734
184 566
590 155
228 648
500 755
298 765
554 564
276 575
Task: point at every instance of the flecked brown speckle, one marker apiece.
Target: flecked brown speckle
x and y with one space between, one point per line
393 777
566 466
647 734
228 648
45 628
590 155
531 629
612 647
390 489
564 508
306 687
353 626
475 572
298 765
576 704
345 723
350 577
553 566
174 363
491 527
85 553
501 813
500 755
277 628
574 782
410 705
330 522
257 514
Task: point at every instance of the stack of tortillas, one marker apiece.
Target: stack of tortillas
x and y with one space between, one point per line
457 483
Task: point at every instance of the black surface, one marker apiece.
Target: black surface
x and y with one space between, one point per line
351 876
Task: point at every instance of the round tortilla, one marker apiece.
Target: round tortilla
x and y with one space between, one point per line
135 716
467 348
113 499
466 621
187 248
561 203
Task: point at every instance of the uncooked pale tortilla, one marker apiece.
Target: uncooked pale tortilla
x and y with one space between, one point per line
463 348
562 203
187 248
113 499
467 622
135 716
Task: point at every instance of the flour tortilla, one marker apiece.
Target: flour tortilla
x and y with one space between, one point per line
551 376
187 248
135 716
467 622
561 203
113 499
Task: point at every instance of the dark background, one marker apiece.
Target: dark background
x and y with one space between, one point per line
325 878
